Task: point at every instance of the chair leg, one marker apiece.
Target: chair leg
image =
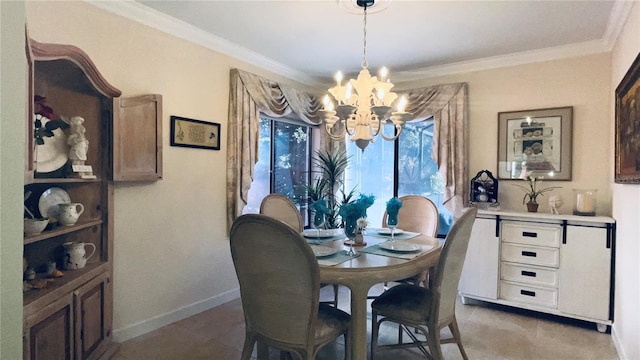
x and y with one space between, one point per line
247 348
433 339
374 333
335 295
455 331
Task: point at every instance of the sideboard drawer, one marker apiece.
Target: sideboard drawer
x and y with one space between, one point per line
529 274
534 234
529 294
531 255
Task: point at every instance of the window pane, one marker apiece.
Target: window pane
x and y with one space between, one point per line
291 157
371 172
417 172
260 187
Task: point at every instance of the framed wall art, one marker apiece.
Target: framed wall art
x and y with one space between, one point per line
627 141
535 142
194 133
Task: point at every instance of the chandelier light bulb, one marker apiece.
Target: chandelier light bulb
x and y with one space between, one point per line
338 77
383 73
401 104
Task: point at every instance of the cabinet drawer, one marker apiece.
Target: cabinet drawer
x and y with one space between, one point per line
529 274
531 234
531 255
546 297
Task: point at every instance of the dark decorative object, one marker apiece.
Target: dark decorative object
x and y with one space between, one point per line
627 140
532 206
484 189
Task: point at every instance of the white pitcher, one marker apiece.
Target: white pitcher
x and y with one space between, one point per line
69 213
74 255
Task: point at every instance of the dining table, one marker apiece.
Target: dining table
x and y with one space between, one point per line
368 268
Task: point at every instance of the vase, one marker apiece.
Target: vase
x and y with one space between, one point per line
532 206
350 228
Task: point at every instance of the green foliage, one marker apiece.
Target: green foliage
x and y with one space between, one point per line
532 191
328 183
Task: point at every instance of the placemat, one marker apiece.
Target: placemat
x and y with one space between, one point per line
377 250
335 259
406 235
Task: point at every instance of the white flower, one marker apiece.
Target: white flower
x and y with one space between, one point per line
362 223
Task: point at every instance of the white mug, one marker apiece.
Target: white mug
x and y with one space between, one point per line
69 213
74 255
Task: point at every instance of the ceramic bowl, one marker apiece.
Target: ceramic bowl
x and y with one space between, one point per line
35 226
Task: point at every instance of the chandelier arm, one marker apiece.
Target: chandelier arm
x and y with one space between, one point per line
377 131
334 136
392 138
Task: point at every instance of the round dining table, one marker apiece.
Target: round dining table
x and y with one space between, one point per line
362 272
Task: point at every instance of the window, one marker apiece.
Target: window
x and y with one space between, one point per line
374 172
284 153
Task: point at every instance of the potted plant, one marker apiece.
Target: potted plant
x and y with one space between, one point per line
532 191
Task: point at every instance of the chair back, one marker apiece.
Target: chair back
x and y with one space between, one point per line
417 214
279 279
282 208
449 269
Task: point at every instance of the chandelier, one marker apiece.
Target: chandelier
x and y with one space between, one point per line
363 105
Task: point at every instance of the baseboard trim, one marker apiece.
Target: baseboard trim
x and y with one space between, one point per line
156 322
616 343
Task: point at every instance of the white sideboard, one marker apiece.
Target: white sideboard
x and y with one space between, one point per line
557 264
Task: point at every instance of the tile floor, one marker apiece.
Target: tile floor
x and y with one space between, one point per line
489 332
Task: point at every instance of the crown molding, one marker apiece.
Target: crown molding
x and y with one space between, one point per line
137 12
142 14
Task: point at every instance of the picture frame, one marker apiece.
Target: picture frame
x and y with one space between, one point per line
627 133
193 133
535 143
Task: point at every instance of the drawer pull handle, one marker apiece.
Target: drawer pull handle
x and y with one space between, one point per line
529 253
527 293
529 234
528 273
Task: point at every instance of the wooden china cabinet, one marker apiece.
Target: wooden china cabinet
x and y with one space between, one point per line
70 317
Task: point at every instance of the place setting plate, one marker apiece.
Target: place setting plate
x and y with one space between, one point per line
49 200
387 231
322 233
323 251
399 246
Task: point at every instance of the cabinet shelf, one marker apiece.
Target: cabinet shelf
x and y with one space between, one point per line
62 180
61 230
69 281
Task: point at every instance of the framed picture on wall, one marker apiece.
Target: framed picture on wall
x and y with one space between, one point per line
535 142
192 133
627 140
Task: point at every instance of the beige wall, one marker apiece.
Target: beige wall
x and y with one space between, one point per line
172 255
581 82
626 207
12 135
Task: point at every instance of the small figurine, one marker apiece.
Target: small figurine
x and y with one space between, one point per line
52 271
30 274
555 203
78 142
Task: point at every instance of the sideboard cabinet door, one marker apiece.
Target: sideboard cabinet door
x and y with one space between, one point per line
93 327
48 333
137 138
585 273
480 271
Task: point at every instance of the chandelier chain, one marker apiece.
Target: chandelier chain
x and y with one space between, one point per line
364 40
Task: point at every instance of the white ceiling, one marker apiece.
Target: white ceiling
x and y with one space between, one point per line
311 40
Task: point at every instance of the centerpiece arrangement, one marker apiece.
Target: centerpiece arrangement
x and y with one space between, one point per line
354 218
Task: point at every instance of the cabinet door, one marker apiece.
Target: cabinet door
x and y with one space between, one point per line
93 327
480 271
137 138
48 333
585 270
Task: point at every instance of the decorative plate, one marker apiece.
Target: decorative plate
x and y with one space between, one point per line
49 200
399 246
387 231
322 233
54 153
323 251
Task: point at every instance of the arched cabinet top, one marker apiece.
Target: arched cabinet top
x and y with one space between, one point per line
51 52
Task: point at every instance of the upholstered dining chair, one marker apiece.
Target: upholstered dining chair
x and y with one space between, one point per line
428 309
282 208
279 280
417 214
